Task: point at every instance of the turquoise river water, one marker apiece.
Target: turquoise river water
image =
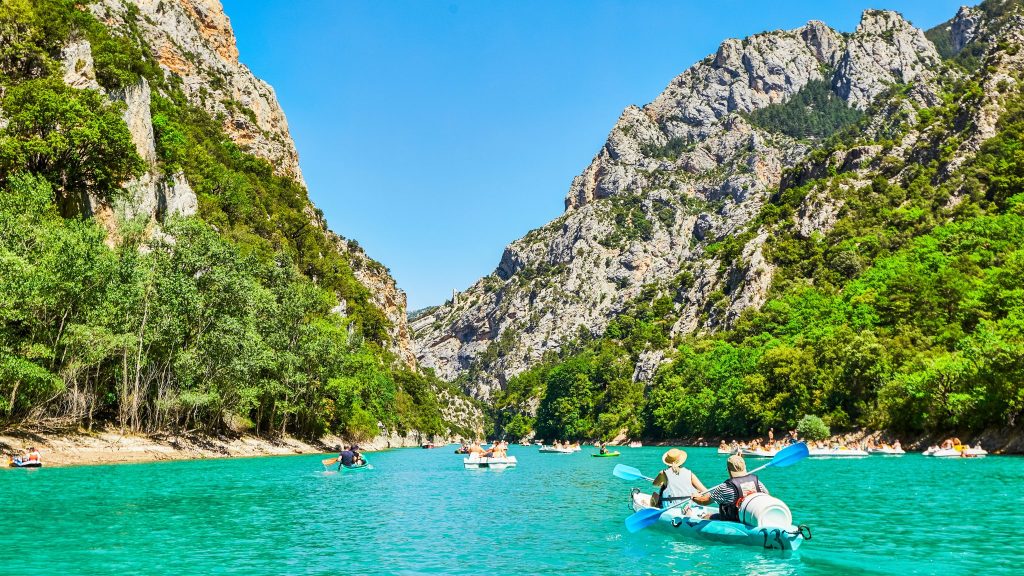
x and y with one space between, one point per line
420 512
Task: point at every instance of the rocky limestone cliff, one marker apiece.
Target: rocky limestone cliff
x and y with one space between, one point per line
153 194
193 40
673 181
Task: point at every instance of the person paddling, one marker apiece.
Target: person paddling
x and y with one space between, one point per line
350 457
730 494
676 482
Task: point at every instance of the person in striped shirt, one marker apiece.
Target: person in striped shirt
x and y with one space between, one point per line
730 494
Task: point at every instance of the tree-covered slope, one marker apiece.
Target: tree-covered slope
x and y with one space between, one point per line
247 314
894 255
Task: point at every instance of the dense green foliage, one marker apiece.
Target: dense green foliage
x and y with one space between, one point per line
217 322
815 111
73 138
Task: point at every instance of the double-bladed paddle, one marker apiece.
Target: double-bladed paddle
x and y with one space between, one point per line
649 516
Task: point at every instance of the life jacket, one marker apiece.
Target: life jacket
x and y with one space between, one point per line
33 457
743 486
348 457
677 486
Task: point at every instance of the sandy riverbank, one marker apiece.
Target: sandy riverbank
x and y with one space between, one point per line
112 447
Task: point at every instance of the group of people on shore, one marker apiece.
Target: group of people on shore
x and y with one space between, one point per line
771 444
678 483
27 457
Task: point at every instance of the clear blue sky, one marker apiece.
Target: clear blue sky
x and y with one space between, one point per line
436 132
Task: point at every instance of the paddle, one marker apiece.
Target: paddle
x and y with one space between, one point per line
786 457
629 473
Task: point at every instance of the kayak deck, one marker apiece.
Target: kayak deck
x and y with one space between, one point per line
17 463
691 524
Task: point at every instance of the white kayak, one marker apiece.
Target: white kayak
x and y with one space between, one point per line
837 453
553 450
758 453
887 451
475 462
964 452
691 524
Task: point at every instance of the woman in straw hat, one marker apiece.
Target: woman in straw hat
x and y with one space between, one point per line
675 482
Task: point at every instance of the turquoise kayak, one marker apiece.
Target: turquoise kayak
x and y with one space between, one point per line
786 538
364 466
19 463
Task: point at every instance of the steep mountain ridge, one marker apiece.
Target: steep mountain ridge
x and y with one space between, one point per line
674 181
895 299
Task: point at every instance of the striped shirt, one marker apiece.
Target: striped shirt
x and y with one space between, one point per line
727 494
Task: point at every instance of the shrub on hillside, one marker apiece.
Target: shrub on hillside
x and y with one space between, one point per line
811 427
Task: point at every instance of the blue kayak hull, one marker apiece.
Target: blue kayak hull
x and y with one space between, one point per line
787 538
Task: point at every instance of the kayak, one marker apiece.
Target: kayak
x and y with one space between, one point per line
963 452
606 455
837 453
786 538
474 463
887 451
365 465
19 463
550 450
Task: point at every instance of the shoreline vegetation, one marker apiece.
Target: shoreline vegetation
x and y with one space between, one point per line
110 446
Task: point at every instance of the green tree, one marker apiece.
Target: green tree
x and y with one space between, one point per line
74 138
812 427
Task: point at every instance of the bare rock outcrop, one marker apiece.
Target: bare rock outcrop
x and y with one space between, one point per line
193 40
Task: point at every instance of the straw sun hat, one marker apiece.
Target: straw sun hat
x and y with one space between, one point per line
674 457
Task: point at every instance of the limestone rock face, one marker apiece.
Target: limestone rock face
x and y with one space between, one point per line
673 180
79 71
193 40
884 50
138 117
966 26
